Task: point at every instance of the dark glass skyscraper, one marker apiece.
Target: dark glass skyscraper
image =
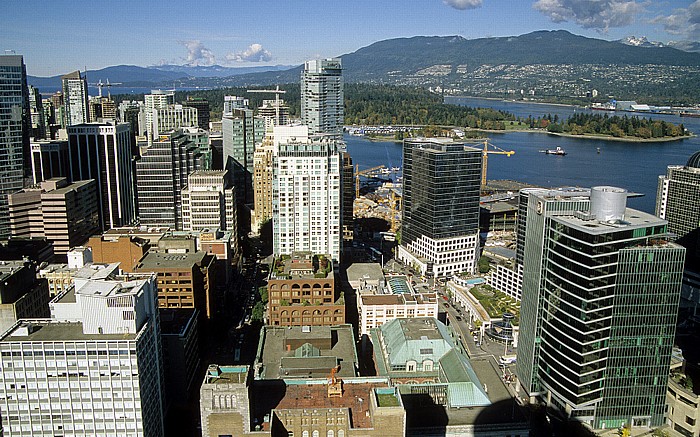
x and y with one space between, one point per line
440 226
15 124
599 306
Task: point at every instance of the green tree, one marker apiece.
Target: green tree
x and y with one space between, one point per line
258 312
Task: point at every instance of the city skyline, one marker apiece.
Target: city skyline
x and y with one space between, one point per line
263 36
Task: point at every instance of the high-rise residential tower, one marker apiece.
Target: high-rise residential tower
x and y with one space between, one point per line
15 126
307 194
75 98
322 97
678 201
599 306
440 226
262 181
208 202
102 151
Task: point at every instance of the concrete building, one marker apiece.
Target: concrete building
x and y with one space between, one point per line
601 286
241 131
322 98
231 403
49 159
100 350
301 292
169 118
678 201
36 111
307 195
75 99
158 99
348 220
66 214
306 352
184 280
274 112
262 181
14 143
37 249
22 294
123 249
208 202
683 403
161 174
440 225
102 151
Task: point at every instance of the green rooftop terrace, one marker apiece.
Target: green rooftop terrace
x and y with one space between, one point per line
495 302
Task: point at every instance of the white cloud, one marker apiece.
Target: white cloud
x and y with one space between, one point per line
254 53
464 4
197 54
592 14
682 21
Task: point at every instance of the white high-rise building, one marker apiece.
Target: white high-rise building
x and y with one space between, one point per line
165 120
75 98
93 368
158 99
322 97
307 194
208 202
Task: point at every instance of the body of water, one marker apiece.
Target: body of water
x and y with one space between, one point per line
634 166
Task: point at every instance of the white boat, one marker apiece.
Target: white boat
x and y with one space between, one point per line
558 151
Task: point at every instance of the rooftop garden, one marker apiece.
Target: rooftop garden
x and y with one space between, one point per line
387 400
496 302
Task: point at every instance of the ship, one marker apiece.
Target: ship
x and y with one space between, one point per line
690 114
558 151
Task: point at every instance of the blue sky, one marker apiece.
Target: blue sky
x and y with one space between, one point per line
59 36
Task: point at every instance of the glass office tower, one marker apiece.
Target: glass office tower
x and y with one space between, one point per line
600 300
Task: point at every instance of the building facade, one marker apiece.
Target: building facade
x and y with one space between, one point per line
208 202
241 131
262 182
75 99
22 294
94 368
49 159
161 174
322 98
66 214
14 142
307 196
102 151
440 226
601 287
301 291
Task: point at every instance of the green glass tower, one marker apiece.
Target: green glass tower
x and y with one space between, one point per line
600 300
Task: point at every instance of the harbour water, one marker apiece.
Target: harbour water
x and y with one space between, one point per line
634 166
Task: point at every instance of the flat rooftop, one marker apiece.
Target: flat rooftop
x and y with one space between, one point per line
421 328
276 357
633 219
176 321
301 265
226 374
398 299
366 271
159 261
313 394
47 330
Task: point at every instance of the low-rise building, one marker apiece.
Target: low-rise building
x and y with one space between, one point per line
301 291
125 250
184 280
22 294
306 352
232 403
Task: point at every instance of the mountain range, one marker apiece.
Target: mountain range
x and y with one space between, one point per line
533 61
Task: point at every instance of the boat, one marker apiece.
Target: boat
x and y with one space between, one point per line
385 171
395 169
597 149
690 114
558 151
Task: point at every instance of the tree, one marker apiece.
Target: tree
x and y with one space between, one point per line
484 264
258 312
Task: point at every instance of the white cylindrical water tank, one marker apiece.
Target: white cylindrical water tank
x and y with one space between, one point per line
608 203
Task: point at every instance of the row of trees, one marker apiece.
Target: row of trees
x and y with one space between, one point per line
616 126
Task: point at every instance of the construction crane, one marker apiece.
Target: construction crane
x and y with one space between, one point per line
368 172
277 91
109 88
485 157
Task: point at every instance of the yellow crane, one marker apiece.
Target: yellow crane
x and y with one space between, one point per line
485 158
367 172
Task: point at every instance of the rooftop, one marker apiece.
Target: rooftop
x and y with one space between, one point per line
366 271
302 265
226 374
175 321
309 351
633 219
157 261
46 330
398 299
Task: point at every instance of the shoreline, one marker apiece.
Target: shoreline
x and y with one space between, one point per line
565 105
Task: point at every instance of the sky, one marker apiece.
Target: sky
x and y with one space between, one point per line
59 36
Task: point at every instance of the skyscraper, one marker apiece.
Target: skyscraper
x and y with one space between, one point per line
36 109
202 106
599 306
262 181
161 174
440 226
322 97
270 110
678 201
307 193
15 127
75 98
102 151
